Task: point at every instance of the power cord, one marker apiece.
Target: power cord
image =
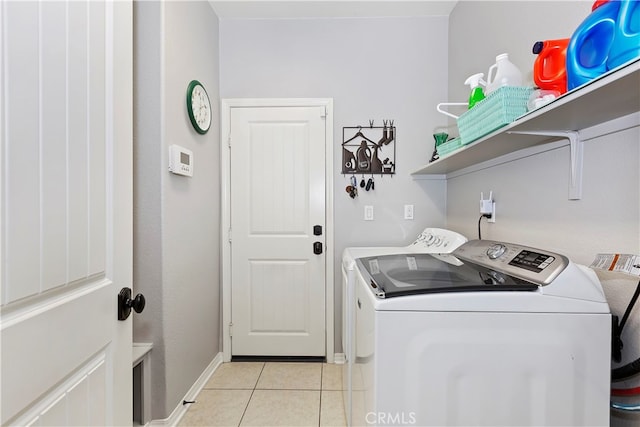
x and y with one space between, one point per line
632 368
488 216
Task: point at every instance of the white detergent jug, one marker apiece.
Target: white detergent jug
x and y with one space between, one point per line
503 73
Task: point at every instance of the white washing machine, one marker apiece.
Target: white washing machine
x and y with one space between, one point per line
496 335
431 240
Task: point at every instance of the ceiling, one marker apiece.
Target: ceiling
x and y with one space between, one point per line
267 9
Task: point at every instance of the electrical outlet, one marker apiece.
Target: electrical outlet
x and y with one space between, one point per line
408 211
368 213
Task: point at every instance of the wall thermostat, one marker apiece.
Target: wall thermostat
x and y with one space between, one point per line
180 160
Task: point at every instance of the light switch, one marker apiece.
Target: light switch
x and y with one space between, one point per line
368 213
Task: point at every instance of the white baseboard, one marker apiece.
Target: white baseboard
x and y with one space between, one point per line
339 358
180 410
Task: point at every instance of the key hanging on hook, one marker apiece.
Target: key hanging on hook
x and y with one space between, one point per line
352 190
370 185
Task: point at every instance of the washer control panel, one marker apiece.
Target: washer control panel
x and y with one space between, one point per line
437 240
533 265
532 261
496 251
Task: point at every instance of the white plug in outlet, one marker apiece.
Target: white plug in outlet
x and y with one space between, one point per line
488 207
408 211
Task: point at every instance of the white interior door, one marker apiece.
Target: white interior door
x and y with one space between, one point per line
277 197
66 126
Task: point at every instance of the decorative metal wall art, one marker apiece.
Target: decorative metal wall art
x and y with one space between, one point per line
369 150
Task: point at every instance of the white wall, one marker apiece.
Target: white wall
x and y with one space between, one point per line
176 237
373 68
531 193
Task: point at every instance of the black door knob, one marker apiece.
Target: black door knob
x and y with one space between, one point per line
125 303
138 303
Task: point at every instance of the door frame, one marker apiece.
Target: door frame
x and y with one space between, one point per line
225 175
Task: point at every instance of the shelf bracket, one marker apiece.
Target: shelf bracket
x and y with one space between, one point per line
576 150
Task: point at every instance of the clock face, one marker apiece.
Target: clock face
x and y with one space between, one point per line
199 107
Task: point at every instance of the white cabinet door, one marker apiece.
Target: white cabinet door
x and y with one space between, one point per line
277 197
66 109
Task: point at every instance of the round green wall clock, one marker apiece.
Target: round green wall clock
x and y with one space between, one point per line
199 107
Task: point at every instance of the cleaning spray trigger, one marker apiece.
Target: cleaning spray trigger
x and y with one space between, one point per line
477 94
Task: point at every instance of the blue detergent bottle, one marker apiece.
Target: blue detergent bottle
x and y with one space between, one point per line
589 47
626 42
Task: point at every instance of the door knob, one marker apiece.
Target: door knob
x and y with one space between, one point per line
125 303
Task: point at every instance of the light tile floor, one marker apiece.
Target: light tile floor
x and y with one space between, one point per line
270 394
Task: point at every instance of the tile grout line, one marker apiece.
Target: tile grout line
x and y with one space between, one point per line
282 389
251 397
321 386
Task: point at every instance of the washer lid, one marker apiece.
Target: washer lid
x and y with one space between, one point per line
410 274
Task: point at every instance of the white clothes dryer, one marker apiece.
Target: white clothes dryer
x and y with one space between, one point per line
431 241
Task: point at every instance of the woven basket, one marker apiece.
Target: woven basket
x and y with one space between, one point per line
500 108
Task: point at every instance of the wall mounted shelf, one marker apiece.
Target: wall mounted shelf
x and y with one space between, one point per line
608 97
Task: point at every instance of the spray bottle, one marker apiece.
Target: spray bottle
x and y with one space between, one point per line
477 94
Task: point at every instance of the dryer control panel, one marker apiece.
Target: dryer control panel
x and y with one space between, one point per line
437 241
533 265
